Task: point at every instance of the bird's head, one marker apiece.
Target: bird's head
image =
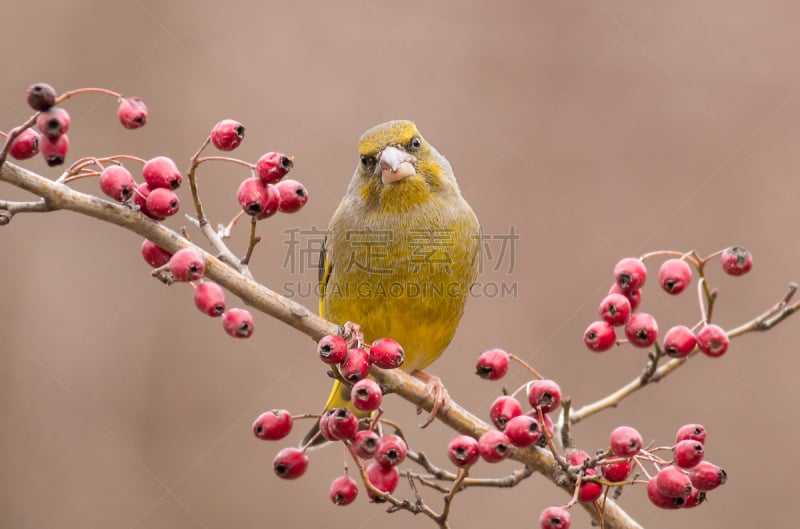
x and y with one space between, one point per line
398 169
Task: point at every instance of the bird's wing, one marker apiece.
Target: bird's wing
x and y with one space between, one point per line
324 272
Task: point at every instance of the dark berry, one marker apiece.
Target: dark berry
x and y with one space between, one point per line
53 123
41 96
736 260
54 151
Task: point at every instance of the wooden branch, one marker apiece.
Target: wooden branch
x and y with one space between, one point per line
59 196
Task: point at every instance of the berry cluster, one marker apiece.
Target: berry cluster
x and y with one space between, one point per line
52 123
377 456
681 481
188 265
618 308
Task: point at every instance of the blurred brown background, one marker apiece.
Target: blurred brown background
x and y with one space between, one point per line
596 130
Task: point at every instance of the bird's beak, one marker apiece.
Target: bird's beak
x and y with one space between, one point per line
395 164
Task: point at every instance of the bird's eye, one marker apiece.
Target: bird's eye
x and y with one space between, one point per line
367 161
415 143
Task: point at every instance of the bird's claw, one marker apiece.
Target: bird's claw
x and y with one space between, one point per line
436 391
352 333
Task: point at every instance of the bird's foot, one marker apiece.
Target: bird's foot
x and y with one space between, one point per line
436 390
352 333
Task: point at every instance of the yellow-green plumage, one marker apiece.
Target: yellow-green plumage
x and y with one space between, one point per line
400 257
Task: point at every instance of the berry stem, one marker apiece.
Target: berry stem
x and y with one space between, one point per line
564 424
66 95
192 177
254 239
249 165
526 365
688 256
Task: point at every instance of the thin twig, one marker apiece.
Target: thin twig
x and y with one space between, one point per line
254 239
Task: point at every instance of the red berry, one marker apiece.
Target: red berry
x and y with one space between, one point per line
26 145
545 395
54 151
630 274
290 463
132 113
332 349
634 297
492 364
712 340
41 96
688 453
641 330
355 365
140 199
463 451
273 166
695 498
707 476
386 353
673 482
163 202
555 518
154 255
227 134
494 446
625 441
209 298
187 265
523 431
617 472
273 425
162 172
503 409
696 432
366 395
293 195
391 451
736 260
383 478
599 336
590 490
117 182
343 490
238 323
342 424
324 428
674 276
679 341
660 500
257 199
615 309
53 123
366 444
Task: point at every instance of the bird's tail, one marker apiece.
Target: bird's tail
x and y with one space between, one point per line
339 398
